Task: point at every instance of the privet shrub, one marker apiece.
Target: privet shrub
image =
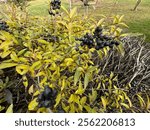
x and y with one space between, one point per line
71 63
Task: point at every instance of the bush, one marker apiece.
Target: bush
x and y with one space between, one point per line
71 63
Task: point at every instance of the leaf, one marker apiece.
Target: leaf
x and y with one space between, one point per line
5 54
31 89
121 49
86 80
120 19
43 41
100 21
148 102
36 93
77 75
1 108
10 109
124 25
25 81
72 98
58 98
73 12
7 65
14 57
93 96
32 105
63 84
36 65
80 89
83 100
22 69
88 108
104 102
125 105
68 61
141 100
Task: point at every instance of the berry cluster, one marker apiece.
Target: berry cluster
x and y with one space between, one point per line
54 7
97 40
4 26
47 97
87 40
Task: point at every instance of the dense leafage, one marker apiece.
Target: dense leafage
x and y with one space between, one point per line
51 71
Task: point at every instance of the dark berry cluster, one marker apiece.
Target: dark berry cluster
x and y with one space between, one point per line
4 26
54 7
97 40
87 39
47 97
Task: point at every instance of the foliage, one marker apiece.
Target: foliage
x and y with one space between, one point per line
43 53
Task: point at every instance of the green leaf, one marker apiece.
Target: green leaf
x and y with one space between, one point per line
77 74
83 100
10 109
43 42
7 65
86 80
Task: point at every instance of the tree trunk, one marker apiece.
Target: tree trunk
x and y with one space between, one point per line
137 4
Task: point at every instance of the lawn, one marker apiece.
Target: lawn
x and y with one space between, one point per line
138 21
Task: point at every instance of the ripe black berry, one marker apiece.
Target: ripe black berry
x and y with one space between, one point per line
40 97
47 92
47 97
4 26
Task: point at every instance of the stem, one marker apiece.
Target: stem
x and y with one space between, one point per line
70 5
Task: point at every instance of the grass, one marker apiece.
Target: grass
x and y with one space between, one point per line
138 21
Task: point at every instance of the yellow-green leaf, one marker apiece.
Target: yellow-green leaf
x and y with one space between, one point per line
58 98
14 57
32 105
7 65
10 109
86 80
22 69
104 102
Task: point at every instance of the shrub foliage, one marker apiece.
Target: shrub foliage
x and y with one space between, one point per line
71 63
